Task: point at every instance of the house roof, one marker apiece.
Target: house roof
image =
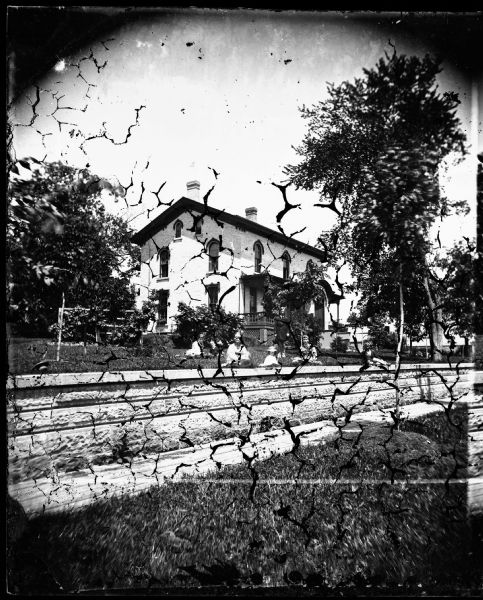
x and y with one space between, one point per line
187 205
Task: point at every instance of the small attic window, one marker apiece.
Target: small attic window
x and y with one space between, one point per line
178 226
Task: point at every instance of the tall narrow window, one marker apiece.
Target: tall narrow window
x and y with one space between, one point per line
163 307
213 254
286 265
198 227
258 250
213 293
310 266
164 262
178 226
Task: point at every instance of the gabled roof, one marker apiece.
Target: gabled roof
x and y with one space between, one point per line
187 205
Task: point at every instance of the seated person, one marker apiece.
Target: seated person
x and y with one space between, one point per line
237 354
213 348
369 360
195 351
271 359
308 353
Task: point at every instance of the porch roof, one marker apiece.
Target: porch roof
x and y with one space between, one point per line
332 297
260 278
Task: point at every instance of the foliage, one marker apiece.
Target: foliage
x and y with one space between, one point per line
60 239
80 324
294 294
378 298
291 298
135 323
380 336
339 344
302 323
373 150
457 288
218 325
395 103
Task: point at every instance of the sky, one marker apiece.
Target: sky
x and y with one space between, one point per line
169 97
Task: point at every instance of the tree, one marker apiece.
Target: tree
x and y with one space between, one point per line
378 299
60 240
373 149
457 289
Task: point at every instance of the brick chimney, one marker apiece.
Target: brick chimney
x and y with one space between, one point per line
193 190
251 213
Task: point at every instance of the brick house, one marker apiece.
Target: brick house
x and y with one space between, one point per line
197 254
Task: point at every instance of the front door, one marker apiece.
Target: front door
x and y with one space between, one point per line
320 314
253 301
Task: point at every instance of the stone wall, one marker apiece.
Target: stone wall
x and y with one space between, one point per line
68 422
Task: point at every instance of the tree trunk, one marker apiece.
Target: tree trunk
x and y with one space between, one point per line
436 334
399 343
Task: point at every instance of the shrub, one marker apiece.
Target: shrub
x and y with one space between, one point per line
339 344
303 323
134 324
217 324
80 324
381 337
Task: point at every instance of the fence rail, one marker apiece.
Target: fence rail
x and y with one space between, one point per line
257 318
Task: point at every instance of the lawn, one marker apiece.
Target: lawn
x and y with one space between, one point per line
276 523
25 353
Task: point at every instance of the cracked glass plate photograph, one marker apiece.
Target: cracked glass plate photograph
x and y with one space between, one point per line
243 302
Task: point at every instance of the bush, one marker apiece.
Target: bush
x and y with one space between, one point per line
304 323
339 344
381 337
219 325
134 324
80 325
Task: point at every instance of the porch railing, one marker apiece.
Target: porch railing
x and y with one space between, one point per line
256 318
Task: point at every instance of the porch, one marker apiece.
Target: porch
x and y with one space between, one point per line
258 324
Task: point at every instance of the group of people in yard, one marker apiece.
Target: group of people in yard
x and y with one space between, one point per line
238 355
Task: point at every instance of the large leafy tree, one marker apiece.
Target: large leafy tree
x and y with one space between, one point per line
61 240
373 150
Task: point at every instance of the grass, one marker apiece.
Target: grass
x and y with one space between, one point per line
25 353
239 527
